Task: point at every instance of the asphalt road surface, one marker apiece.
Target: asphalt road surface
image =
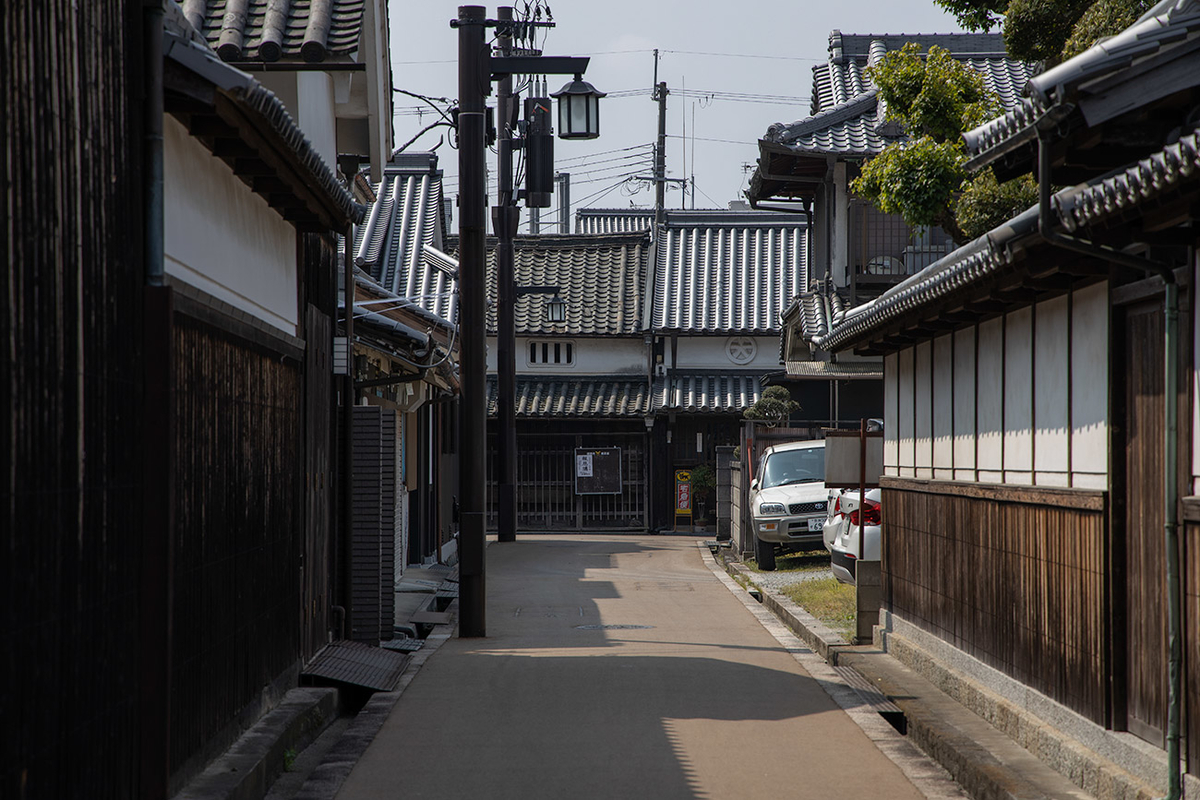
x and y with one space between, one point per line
625 667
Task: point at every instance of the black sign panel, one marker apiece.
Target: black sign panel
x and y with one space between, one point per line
598 471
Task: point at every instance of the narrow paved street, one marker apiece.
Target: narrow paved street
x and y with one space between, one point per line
619 666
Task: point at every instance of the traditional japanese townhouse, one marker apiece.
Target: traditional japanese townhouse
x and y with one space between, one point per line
583 379
1041 421
252 213
326 60
405 354
710 320
857 251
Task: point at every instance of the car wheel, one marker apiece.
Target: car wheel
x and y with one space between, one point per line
764 554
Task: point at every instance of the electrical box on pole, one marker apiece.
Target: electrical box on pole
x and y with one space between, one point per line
539 153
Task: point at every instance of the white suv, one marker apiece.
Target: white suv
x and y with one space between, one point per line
788 500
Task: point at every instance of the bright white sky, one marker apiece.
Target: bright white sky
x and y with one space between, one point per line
766 48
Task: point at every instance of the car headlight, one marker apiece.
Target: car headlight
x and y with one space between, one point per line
771 508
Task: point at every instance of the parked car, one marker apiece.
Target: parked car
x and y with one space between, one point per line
788 500
845 518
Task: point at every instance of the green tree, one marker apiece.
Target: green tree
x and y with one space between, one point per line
1047 31
924 180
773 407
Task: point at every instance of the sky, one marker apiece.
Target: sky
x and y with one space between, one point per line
758 48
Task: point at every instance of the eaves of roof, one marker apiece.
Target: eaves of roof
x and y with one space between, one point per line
1169 27
568 397
237 117
710 393
970 269
831 370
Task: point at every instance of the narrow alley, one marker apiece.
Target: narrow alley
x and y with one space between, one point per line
623 666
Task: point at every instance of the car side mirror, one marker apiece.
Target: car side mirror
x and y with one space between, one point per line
754 485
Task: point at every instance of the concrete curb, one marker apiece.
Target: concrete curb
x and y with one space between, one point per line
326 780
247 769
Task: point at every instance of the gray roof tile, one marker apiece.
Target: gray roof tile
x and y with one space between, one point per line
608 220
719 393
278 30
728 271
556 396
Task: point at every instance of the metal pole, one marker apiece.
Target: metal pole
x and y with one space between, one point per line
564 201
505 217
862 490
473 83
345 555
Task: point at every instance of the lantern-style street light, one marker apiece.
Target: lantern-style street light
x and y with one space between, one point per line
578 110
556 309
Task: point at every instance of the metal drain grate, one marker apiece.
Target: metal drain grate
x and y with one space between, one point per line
613 627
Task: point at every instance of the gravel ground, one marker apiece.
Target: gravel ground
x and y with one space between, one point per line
776 581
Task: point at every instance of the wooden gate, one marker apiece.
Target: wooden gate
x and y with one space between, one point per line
546 498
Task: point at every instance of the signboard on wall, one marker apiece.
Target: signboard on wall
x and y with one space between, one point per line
597 470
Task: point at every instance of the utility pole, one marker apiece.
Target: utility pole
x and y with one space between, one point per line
473 81
660 153
505 217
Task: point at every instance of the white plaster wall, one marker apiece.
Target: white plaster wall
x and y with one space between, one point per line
891 399
224 239
1018 397
592 356
314 114
990 401
1051 407
943 408
904 427
923 410
709 352
1089 379
964 405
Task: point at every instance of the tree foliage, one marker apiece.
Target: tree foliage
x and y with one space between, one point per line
986 203
1047 31
936 98
773 407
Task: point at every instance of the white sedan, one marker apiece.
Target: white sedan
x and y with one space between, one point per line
841 534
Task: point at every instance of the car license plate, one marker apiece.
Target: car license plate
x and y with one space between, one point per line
816 524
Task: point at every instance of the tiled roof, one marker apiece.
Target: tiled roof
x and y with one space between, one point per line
1170 24
1162 174
600 277
398 244
578 397
843 76
817 311
613 220
275 30
728 271
723 393
847 117
331 206
1149 178
825 370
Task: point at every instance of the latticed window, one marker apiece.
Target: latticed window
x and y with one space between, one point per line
547 353
884 245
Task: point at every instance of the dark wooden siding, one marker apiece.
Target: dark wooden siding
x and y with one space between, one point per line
374 537
318 482
239 461
70 399
1013 577
1191 642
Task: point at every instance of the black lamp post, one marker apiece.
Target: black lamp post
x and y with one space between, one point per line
477 68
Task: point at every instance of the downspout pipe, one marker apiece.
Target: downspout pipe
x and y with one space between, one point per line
1170 447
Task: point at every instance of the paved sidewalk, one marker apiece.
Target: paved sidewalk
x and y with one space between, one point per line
622 666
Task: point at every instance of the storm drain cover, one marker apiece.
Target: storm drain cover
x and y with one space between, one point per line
612 627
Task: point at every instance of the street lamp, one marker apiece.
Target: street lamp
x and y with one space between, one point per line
578 110
556 309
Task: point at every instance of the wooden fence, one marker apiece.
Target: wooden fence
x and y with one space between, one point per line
1013 577
70 399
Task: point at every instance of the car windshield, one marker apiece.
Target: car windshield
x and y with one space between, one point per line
794 466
